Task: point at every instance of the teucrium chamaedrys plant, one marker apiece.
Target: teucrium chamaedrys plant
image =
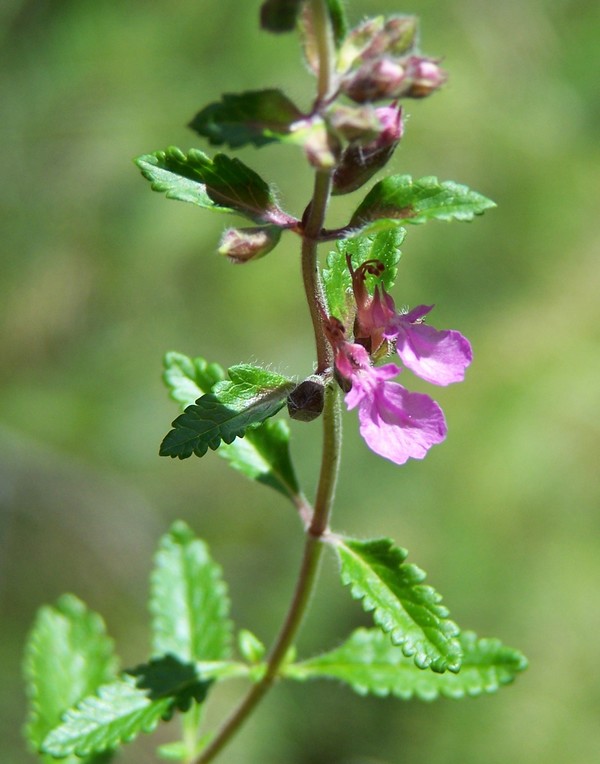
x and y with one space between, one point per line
82 707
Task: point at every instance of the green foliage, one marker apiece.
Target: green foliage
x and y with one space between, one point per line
68 655
177 751
221 184
189 378
383 246
247 399
279 15
257 117
263 454
250 646
370 664
167 676
402 605
79 707
116 714
372 227
188 601
400 198
339 20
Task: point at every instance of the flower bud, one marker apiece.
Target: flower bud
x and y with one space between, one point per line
360 162
354 123
305 402
400 34
425 76
396 38
244 244
320 144
374 80
358 41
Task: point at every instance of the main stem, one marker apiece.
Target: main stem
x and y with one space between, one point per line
313 545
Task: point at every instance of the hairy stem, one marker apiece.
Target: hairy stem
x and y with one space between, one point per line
310 272
316 526
324 39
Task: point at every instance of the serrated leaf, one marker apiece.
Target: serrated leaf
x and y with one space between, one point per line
383 246
68 655
188 601
279 15
221 184
370 664
263 454
375 226
251 396
257 117
400 198
188 378
116 714
169 677
402 605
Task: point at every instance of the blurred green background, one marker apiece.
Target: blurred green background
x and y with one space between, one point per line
100 277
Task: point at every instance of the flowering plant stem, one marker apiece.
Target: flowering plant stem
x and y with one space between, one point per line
414 649
332 433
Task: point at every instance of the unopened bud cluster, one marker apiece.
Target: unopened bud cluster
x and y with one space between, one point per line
380 60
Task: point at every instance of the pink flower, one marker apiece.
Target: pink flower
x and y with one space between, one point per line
439 357
395 423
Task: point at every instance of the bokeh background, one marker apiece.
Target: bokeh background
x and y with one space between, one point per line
100 277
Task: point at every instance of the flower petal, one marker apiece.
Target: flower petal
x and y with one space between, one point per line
439 357
366 380
400 425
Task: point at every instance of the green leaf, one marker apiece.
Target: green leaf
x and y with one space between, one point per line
263 454
169 677
402 605
68 655
370 664
250 647
383 246
279 15
257 117
373 227
189 378
188 602
221 184
116 714
177 751
400 198
218 671
339 20
250 396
